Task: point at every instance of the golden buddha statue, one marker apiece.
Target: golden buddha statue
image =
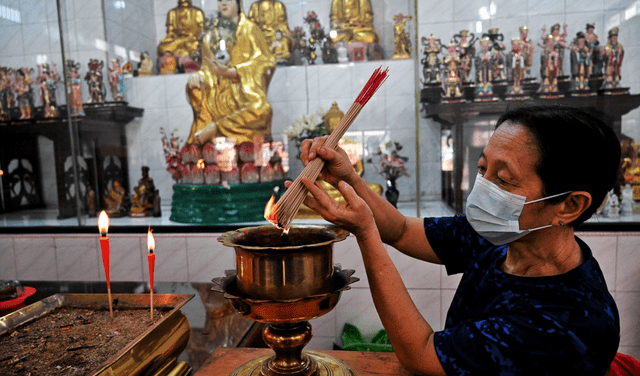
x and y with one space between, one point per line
353 21
184 25
271 17
229 99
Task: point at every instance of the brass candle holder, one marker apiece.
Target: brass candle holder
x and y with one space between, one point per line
285 281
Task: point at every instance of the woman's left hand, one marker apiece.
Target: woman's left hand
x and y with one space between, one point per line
354 216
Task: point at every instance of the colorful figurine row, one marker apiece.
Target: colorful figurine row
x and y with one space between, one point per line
493 67
16 88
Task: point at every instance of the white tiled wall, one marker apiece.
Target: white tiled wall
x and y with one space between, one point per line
199 258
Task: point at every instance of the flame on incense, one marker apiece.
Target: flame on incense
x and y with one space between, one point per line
151 243
270 213
103 222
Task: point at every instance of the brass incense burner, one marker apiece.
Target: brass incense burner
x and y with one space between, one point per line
284 281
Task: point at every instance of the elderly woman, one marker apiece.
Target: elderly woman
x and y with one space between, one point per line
532 299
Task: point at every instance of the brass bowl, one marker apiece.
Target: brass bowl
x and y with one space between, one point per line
270 266
285 311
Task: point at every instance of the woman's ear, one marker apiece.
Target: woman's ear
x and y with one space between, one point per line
573 206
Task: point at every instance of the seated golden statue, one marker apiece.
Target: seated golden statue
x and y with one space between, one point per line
184 25
271 17
231 100
353 21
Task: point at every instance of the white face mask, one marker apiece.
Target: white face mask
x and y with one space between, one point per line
495 213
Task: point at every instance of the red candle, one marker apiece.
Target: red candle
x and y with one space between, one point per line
152 264
103 225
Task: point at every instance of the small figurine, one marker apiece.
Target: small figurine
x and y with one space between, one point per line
280 49
551 68
580 64
116 81
6 94
145 67
559 44
465 41
401 37
594 51
451 83
612 56
612 209
144 196
516 67
498 66
22 87
343 52
90 199
330 52
116 200
168 63
48 82
626 204
97 91
527 51
431 61
484 86
74 89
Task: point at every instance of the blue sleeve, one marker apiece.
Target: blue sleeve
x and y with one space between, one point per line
455 242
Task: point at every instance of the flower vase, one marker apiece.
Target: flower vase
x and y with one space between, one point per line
392 193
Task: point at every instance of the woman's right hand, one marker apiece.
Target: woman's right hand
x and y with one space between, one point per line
337 165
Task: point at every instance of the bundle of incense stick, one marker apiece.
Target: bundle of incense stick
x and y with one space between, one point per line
283 212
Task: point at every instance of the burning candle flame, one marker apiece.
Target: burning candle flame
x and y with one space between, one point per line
103 222
270 211
200 164
151 243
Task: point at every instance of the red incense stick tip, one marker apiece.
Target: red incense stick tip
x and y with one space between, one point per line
375 81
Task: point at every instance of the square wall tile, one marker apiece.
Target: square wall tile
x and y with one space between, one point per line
126 261
628 264
428 302
208 258
7 259
432 11
629 308
416 274
171 259
35 258
604 251
77 258
356 307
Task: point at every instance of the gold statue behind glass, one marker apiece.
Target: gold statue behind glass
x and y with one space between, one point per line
229 99
271 17
184 25
353 21
401 37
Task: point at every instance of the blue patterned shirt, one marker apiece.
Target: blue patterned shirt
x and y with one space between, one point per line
502 324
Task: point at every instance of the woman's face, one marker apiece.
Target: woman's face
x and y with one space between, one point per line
228 8
509 161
